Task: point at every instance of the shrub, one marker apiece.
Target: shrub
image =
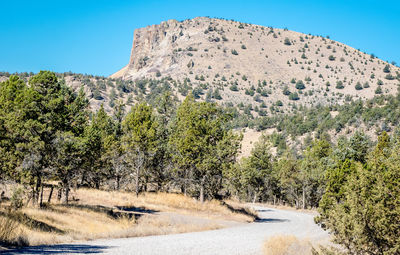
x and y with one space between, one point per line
244 47
286 91
17 200
234 87
386 69
287 42
389 77
358 86
234 52
339 85
378 91
300 85
294 96
331 58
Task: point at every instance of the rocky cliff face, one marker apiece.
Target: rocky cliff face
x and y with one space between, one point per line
151 50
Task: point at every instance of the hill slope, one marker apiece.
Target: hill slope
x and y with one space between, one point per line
252 64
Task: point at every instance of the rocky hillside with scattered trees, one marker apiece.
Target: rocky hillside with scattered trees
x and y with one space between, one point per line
239 63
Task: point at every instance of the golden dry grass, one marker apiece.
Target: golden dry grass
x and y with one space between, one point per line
287 245
89 217
162 202
11 232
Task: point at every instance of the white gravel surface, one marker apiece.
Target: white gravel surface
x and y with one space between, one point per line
240 239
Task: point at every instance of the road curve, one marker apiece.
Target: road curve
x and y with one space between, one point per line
241 239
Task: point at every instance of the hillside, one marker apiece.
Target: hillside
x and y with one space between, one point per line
256 65
261 71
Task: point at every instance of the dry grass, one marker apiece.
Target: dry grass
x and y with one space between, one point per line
11 232
162 202
94 215
287 245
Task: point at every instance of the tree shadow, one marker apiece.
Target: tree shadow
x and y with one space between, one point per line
270 220
136 209
32 223
123 212
59 249
264 210
240 210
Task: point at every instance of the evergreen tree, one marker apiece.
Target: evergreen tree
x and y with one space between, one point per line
139 141
196 140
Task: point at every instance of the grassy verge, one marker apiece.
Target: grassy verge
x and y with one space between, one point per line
291 245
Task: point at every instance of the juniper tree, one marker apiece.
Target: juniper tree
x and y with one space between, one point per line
139 141
198 134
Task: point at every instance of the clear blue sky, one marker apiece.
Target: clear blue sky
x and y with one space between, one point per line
95 37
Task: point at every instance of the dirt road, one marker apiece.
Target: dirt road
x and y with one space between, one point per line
240 239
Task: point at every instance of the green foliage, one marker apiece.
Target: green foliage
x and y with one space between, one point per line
234 87
358 86
386 69
361 204
339 85
199 141
31 118
256 172
300 85
294 96
140 140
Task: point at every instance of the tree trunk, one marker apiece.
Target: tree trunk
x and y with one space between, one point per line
36 190
117 182
59 194
255 197
185 184
66 194
201 193
202 189
41 196
51 193
137 181
304 198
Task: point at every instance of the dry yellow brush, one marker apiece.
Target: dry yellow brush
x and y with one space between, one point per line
291 245
167 202
83 220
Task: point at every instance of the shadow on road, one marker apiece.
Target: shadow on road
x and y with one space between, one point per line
59 249
271 220
264 210
136 209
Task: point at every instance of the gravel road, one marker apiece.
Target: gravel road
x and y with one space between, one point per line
240 239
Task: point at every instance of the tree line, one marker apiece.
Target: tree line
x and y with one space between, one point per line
47 133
